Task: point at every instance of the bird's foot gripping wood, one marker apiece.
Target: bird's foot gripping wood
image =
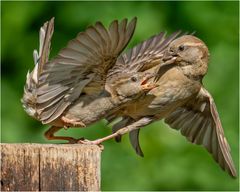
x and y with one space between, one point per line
72 122
136 125
95 142
49 134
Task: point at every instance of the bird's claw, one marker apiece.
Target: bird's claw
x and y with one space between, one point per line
75 141
88 142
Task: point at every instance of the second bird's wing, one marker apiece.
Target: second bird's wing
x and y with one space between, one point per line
143 56
85 60
199 122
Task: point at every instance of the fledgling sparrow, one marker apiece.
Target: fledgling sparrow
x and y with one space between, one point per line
126 82
79 69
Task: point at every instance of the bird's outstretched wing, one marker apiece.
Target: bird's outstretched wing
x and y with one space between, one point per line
143 56
45 36
133 135
84 62
40 58
199 122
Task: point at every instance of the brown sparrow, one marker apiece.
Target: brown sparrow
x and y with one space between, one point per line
181 100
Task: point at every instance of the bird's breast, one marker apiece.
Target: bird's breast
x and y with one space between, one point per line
173 90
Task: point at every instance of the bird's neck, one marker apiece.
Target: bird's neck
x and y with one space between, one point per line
195 71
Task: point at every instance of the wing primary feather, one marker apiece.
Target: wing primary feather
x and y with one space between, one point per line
122 33
51 94
134 139
94 34
88 42
195 128
102 30
225 149
69 53
125 33
113 31
130 30
54 113
207 137
48 104
45 43
80 47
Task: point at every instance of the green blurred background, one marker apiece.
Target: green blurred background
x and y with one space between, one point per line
170 162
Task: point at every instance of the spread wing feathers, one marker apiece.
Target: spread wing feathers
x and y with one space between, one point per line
29 96
134 139
144 55
45 36
200 123
133 135
125 121
86 60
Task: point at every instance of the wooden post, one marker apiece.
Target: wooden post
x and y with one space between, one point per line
50 167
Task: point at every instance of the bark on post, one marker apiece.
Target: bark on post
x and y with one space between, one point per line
50 167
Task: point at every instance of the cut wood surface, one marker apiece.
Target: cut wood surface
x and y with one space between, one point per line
50 167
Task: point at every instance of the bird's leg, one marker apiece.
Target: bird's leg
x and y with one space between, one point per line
72 122
136 125
49 134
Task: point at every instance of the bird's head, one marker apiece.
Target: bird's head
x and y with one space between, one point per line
129 85
190 53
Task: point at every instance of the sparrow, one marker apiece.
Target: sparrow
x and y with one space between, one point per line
181 100
126 82
78 71
75 89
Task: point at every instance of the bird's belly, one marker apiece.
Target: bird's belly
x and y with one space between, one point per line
90 109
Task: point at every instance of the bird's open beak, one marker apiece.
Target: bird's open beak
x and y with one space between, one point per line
147 86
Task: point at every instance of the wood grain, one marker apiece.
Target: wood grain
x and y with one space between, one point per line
50 167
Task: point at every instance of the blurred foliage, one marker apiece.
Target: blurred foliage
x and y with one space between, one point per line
170 162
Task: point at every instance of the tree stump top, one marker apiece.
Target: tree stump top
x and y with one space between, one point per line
50 167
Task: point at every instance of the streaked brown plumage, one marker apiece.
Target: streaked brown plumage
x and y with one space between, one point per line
78 71
181 100
29 99
80 68
66 90
72 89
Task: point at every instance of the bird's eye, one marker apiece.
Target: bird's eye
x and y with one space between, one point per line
134 79
181 48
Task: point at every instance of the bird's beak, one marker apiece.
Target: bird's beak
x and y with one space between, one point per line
168 58
147 86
